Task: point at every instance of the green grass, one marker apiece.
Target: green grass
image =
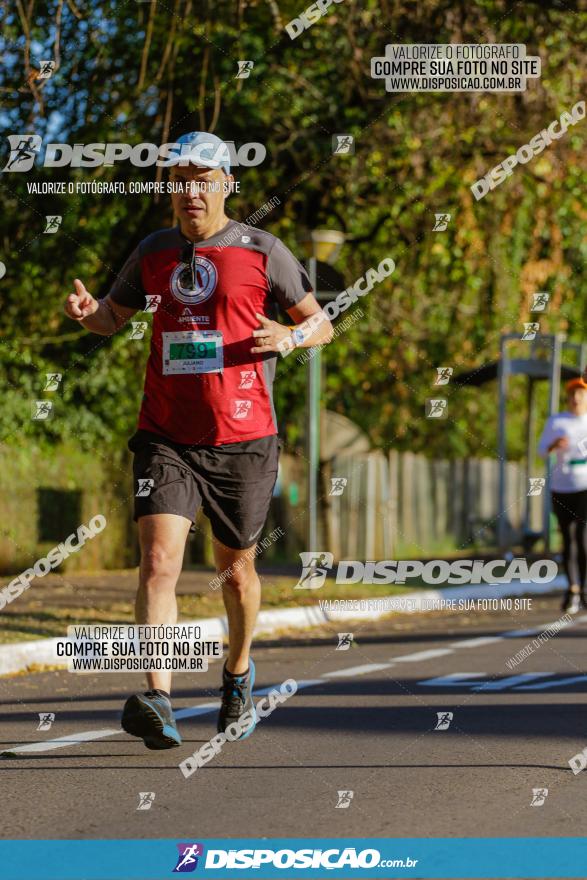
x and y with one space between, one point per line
46 620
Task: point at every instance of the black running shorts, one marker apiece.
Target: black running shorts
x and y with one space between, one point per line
570 506
233 483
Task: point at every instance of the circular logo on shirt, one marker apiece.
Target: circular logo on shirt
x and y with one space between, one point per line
204 276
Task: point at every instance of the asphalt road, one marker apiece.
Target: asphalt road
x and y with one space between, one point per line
366 725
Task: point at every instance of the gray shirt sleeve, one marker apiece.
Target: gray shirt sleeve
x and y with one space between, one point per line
128 289
288 280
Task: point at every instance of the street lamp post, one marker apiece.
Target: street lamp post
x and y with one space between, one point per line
313 427
326 245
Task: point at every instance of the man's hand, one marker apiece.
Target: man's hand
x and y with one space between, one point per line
270 335
101 316
81 304
559 443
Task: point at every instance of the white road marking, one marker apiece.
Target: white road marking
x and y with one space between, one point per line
476 643
512 680
192 711
357 670
304 683
422 655
515 682
545 685
73 739
560 624
521 633
514 634
454 679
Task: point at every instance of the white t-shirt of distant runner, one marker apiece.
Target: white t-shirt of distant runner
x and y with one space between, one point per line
569 473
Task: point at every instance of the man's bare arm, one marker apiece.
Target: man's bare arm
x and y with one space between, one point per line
101 316
318 332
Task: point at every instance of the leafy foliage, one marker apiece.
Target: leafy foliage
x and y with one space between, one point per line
148 72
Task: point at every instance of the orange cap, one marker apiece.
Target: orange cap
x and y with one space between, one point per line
575 383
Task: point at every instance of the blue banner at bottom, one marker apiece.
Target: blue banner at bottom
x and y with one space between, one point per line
367 858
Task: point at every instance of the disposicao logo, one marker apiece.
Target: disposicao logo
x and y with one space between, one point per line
25 148
187 860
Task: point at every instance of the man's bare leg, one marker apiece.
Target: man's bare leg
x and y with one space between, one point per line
162 540
241 592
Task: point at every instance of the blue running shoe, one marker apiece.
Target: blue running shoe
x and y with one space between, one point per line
237 698
150 717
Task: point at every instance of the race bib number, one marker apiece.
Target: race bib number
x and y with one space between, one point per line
192 351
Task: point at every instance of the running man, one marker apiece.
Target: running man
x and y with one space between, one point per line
207 435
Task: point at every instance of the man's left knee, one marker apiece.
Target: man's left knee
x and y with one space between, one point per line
239 581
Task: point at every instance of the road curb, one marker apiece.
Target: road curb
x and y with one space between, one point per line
24 656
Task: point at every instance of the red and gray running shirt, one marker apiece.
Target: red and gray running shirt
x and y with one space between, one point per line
203 385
